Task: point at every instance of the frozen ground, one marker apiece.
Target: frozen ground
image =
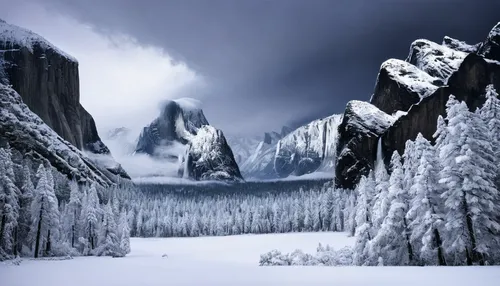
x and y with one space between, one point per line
230 261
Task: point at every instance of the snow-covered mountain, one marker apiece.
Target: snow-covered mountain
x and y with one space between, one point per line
46 79
182 136
304 150
309 148
410 95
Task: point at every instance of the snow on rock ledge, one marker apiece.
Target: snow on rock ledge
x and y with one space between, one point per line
460 46
209 157
400 85
436 60
16 37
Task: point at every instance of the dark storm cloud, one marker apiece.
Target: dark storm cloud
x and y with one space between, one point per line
284 62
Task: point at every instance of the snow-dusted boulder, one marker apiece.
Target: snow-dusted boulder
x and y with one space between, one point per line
436 60
362 125
491 46
400 85
307 148
460 46
209 157
28 134
47 80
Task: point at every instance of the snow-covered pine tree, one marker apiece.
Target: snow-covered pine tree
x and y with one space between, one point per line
468 176
27 189
90 217
73 210
381 202
124 232
108 240
365 190
425 213
490 113
391 242
9 205
44 214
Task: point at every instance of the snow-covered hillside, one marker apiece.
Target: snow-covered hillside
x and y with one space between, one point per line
230 260
28 134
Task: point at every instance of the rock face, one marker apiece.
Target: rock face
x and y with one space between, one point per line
400 85
361 126
181 135
467 84
455 68
47 80
209 157
308 148
28 134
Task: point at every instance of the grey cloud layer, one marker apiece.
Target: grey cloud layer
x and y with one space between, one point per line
283 62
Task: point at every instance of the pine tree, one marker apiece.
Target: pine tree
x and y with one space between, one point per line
124 232
9 204
74 209
468 175
90 216
44 214
490 113
392 240
365 190
425 211
381 202
109 242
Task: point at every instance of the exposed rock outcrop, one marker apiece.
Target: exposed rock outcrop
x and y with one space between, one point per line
362 125
209 157
400 85
47 80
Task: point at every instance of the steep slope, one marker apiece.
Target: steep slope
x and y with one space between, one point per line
308 148
181 135
47 80
26 133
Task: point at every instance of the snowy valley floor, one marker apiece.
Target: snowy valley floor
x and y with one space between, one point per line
231 260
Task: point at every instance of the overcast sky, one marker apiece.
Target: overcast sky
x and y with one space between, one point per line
256 65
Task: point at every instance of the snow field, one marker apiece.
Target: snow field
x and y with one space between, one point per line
229 260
